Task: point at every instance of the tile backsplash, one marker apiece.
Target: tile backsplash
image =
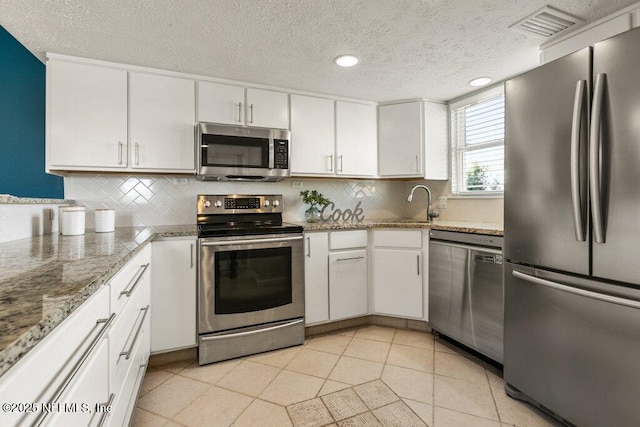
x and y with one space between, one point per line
163 200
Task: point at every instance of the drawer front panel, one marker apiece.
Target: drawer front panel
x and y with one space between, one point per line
347 239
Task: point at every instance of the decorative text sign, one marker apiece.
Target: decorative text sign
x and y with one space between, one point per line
330 213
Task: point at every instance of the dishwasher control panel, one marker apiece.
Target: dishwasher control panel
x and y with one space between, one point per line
467 238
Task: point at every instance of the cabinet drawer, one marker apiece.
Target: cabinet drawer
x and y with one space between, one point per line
347 239
125 282
126 335
398 238
126 394
48 367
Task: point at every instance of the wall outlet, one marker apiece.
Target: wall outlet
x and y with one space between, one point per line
442 202
297 184
180 181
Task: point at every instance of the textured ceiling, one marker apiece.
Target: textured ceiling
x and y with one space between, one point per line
408 48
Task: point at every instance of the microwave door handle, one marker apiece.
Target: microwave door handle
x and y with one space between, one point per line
271 153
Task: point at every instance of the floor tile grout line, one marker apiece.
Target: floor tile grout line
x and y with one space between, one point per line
473 415
433 384
493 397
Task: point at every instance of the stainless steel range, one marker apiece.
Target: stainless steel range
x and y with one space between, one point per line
250 277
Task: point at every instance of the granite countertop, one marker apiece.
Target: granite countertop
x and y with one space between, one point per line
490 228
8 199
43 279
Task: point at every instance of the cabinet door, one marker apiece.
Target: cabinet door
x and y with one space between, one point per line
173 295
316 278
162 122
267 109
347 284
400 139
87 116
398 282
220 103
436 158
312 135
356 139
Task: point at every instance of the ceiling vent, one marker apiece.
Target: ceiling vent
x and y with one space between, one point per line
547 22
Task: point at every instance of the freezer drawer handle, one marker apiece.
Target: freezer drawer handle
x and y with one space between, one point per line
577 201
594 159
576 291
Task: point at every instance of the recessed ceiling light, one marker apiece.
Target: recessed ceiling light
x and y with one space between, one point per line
480 81
346 60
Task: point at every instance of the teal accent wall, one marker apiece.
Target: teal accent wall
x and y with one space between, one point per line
22 127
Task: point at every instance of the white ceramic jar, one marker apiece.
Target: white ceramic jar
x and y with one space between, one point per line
72 220
105 220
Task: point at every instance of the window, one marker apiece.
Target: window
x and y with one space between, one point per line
477 144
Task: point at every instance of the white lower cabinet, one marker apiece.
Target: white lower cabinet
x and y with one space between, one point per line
70 365
398 273
173 295
316 277
347 284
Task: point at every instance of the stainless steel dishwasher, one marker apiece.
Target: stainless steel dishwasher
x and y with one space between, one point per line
465 289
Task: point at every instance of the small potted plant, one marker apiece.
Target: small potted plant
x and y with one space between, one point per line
313 198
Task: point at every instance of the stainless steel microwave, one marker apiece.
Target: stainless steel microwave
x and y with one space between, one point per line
227 153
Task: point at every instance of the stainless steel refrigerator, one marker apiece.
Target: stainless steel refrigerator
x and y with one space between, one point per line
572 235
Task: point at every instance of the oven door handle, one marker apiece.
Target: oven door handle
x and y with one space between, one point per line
251 241
257 331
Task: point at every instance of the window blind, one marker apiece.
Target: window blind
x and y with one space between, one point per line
477 147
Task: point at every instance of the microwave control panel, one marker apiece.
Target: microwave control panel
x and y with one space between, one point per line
281 154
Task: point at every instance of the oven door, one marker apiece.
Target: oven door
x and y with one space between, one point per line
249 280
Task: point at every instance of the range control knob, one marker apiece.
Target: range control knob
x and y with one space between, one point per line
218 203
276 203
266 203
207 204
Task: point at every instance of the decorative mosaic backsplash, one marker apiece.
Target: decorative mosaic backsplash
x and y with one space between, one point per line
162 200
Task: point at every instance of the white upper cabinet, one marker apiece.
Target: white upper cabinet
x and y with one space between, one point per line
226 104
356 139
400 133
267 109
162 122
86 116
413 140
312 135
220 103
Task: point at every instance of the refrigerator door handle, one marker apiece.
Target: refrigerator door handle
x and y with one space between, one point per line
589 294
595 169
577 201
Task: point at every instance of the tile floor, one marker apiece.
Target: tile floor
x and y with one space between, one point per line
368 376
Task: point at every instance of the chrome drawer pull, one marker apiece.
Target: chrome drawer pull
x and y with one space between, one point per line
76 367
127 354
105 412
350 259
135 280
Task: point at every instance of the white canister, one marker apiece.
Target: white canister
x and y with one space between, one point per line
72 221
105 220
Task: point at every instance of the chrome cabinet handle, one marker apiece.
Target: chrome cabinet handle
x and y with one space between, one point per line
418 263
137 153
308 247
240 112
191 253
251 111
136 279
330 162
119 152
564 288
76 367
127 354
595 142
576 127
340 159
417 164
108 403
349 259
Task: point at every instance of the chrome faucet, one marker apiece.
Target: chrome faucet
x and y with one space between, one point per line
430 213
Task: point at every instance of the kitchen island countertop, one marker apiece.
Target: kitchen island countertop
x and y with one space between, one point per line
44 279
